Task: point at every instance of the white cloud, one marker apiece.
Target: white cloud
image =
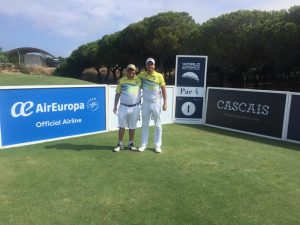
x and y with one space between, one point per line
273 4
82 18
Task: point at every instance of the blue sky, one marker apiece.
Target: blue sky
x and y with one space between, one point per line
60 26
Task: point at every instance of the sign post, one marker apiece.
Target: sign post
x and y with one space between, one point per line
190 82
293 133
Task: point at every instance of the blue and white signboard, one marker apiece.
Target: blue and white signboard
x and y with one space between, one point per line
190 84
36 114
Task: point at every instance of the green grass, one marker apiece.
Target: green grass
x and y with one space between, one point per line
203 176
11 79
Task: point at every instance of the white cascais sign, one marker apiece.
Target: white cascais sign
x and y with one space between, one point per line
243 107
190 81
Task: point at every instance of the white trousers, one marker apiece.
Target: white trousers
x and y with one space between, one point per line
154 109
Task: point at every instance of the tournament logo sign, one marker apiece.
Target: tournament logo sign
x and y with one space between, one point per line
249 111
190 88
294 119
38 114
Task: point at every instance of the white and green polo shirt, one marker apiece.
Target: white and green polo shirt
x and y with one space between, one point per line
129 90
151 84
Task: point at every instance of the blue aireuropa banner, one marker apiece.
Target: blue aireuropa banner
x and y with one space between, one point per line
37 114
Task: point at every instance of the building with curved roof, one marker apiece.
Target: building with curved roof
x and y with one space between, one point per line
29 55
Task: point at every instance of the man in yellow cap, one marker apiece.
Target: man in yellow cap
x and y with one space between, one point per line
129 93
153 85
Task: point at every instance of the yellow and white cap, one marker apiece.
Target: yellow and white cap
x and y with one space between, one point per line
131 66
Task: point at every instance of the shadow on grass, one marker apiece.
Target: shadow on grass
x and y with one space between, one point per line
153 150
249 137
75 147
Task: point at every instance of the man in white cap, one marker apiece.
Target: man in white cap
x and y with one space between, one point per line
129 93
153 85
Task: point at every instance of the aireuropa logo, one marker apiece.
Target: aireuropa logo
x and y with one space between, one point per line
21 109
191 75
25 109
92 104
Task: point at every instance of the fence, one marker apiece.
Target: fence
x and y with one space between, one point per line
35 114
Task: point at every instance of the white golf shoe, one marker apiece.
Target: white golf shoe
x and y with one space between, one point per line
142 148
157 149
118 148
131 147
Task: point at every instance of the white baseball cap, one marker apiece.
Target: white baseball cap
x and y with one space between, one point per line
131 66
150 60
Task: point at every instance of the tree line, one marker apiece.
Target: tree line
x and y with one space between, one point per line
3 57
257 49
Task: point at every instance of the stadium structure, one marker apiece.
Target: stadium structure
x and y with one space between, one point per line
30 56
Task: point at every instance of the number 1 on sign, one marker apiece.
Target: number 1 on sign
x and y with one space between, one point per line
188 108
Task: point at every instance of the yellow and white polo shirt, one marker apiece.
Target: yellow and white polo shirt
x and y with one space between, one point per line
151 84
130 90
